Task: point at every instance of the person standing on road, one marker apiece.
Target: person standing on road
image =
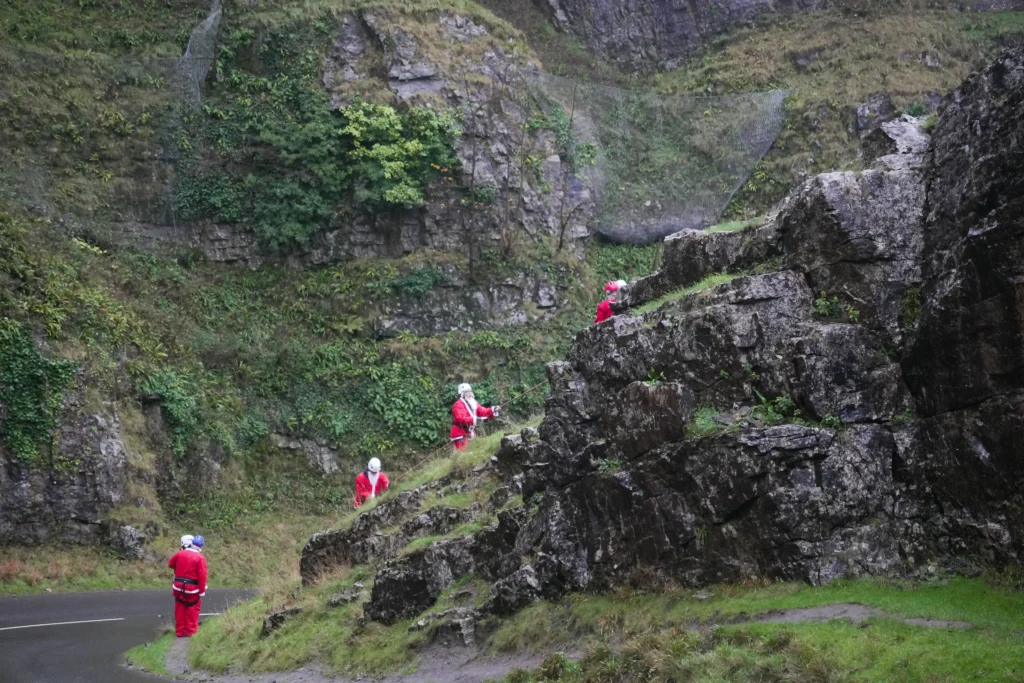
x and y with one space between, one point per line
370 483
604 309
189 585
465 413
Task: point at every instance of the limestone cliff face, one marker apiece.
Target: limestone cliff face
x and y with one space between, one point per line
659 33
443 60
761 429
68 499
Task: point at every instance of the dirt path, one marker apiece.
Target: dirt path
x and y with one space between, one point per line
435 665
463 665
849 611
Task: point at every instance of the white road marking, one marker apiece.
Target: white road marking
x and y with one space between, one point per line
61 623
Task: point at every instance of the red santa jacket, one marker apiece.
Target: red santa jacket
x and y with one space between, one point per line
363 488
462 418
189 564
604 310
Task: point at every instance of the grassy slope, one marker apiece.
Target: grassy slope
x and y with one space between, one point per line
649 625
332 635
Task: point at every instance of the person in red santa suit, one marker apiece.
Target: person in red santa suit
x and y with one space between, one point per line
604 309
466 412
189 585
370 483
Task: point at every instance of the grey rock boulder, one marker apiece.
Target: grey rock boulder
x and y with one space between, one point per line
872 113
127 541
276 620
515 591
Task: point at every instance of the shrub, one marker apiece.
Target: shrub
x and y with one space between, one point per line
827 308
917 109
177 395
419 282
32 390
408 402
910 308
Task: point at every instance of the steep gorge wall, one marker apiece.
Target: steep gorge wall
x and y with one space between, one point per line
507 193
660 33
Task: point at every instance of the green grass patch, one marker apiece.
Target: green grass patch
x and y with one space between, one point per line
331 636
459 531
617 629
734 226
703 422
628 633
707 283
152 657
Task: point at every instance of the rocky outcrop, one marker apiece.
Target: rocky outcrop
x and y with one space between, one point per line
321 455
407 585
327 549
860 236
964 363
380 534
690 256
67 498
276 620
128 541
820 468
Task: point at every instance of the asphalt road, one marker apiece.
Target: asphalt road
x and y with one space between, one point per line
38 645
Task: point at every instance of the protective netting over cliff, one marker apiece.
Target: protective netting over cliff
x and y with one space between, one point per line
92 136
651 165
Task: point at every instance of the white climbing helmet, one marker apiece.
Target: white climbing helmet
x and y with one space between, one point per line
186 541
464 388
373 465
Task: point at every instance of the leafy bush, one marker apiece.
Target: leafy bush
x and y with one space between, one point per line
484 195
213 196
832 308
395 156
32 390
419 282
625 262
827 308
408 402
703 422
910 308
178 399
916 109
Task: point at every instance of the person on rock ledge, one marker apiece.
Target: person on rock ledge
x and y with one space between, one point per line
370 483
465 413
604 309
189 585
